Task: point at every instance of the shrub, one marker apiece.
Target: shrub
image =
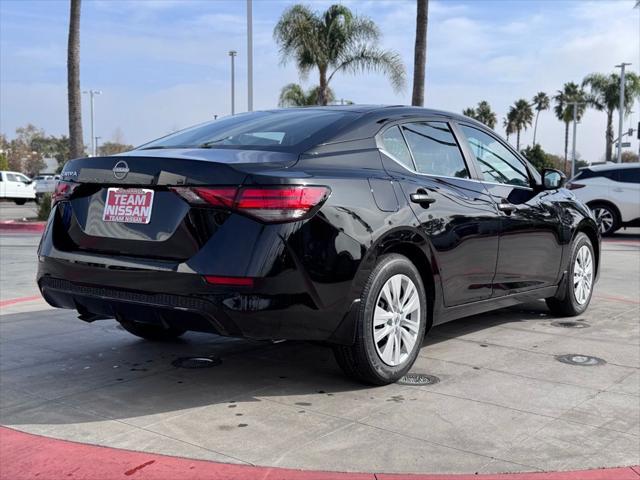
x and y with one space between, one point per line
44 207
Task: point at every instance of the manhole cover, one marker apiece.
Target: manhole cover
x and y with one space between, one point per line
418 379
567 324
196 362
582 360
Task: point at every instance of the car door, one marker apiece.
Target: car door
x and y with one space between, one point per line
530 249
453 210
626 193
24 187
12 186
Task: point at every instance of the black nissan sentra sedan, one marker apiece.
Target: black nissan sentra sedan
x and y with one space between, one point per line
361 227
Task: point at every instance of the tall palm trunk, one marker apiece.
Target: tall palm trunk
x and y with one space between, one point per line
535 128
609 135
518 139
76 144
566 145
420 53
322 89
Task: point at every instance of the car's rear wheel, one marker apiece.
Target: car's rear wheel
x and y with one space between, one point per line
147 331
20 201
581 276
390 325
607 218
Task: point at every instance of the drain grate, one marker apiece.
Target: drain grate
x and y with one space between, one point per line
581 360
196 362
418 379
570 324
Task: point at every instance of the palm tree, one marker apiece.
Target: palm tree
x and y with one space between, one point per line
522 117
540 102
509 124
332 42
76 144
563 109
420 53
293 95
482 113
604 95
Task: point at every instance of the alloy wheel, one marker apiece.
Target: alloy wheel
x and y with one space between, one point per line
604 217
583 275
396 320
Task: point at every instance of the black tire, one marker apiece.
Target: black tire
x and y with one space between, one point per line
20 201
361 360
147 331
600 209
568 305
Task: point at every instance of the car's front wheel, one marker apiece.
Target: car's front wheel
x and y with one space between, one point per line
390 326
580 279
150 332
20 201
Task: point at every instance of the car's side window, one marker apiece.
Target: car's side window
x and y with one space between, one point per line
11 177
395 145
495 160
435 149
630 175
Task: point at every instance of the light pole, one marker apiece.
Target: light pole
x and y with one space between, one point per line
232 54
621 108
575 123
92 93
250 55
96 144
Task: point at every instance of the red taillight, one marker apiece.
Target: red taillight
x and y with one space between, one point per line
269 204
575 186
62 191
231 281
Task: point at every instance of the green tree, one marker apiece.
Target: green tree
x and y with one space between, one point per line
540 102
293 95
522 117
420 53
73 82
538 158
604 95
482 113
571 92
629 157
334 41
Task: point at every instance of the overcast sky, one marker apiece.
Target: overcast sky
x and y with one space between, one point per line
163 65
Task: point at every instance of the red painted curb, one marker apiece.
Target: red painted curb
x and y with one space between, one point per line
13 301
13 226
24 456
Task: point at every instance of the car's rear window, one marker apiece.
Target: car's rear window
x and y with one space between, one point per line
276 130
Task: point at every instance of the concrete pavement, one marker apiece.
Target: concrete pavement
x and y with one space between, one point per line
503 402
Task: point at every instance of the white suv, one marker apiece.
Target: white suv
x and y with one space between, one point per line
17 187
612 191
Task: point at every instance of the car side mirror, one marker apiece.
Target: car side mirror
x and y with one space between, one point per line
552 179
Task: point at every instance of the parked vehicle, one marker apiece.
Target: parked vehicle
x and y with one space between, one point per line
17 187
357 226
612 192
45 184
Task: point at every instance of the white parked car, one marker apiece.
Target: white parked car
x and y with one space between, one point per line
612 191
45 184
17 187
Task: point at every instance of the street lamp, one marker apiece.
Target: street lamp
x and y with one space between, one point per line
232 54
621 109
92 93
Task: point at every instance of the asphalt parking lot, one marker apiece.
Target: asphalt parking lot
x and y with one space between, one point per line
503 401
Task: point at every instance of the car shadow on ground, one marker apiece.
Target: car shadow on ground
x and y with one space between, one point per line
103 370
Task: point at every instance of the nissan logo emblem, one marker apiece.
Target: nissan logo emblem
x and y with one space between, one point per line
120 170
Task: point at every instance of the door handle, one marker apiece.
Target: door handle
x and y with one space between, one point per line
617 189
506 207
422 197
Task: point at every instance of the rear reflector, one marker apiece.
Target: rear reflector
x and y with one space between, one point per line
269 204
232 281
